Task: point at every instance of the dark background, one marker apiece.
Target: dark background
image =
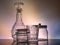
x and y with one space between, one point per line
47 12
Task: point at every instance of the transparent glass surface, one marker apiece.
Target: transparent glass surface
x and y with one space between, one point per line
33 35
19 30
43 34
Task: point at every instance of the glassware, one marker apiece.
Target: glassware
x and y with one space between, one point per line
27 34
43 33
33 35
19 30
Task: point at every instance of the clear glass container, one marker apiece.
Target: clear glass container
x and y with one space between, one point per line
33 35
43 32
19 30
43 35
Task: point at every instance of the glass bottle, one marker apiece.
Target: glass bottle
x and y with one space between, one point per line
18 25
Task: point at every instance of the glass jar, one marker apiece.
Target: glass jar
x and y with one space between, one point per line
43 32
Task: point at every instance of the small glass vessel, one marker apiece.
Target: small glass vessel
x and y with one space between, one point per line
33 35
43 33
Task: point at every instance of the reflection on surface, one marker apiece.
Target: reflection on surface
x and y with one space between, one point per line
10 42
42 43
51 42
32 43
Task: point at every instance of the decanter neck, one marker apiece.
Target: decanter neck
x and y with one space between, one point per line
19 19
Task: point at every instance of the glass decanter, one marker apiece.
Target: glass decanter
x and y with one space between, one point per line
19 26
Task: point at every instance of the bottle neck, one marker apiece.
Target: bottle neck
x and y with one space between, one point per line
19 19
